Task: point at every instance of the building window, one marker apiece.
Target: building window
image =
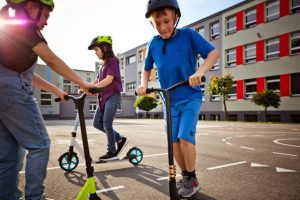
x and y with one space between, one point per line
88 79
216 66
295 43
130 86
250 53
201 31
295 6
215 97
295 84
130 59
156 73
123 81
46 98
250 88
67 89
122 63
200 61
232 93
214 30
139 78
250 18
202 86
231 25
76 88
92 107
272 10
66 81
231 57
140 56
273 83
272 48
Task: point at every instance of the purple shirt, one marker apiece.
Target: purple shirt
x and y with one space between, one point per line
110 68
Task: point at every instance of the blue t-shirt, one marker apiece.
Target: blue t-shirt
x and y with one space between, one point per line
178 62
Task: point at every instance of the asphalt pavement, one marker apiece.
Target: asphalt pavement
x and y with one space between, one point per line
235 160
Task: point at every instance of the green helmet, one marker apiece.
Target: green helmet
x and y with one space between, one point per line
48 3
158 4
99 40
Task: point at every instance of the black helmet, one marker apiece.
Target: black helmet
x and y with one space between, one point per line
99 40
157 4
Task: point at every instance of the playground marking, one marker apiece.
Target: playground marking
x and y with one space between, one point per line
166 178
227 165
290 145
258 165
284 170
252 149
284 154
110 189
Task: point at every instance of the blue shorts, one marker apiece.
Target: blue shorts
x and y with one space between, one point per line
184 115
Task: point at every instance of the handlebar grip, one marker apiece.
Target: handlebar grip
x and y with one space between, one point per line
58 99
95 90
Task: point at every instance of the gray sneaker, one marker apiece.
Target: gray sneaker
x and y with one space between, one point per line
180 182
190 187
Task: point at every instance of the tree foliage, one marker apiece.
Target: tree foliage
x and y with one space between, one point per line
221 86
145 103
267 98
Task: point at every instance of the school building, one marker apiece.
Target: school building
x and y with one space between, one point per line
259 44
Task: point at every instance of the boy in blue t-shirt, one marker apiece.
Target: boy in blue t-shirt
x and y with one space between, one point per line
175 52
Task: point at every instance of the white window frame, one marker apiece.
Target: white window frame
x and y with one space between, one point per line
231 63
247 14
249 95
273 41
216 66
131 59
140 53
233 29
272 5
232 96
215 26
295 36
92 107
215 97
130 86
294 8
201 31
273 80
139 78
252 58
202 87
49 100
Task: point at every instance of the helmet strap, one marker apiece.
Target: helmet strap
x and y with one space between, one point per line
166 40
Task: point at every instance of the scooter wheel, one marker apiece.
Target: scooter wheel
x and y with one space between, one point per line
68 161
135 155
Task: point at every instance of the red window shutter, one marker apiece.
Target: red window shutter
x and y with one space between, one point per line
239 55
240 89
260 13
284 45
239 21
260 50
285 85
284 7
260 84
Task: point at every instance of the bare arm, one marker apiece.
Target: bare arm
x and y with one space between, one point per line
209 62
106 81
57 65
141 90
39 82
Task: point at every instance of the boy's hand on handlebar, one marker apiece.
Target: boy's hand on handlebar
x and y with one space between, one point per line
86 86
195 79
61 94
141 90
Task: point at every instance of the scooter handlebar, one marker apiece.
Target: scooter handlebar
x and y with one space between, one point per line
92 90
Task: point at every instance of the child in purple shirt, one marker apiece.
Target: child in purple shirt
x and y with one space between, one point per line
109 100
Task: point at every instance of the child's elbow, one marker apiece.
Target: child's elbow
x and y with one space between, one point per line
216 53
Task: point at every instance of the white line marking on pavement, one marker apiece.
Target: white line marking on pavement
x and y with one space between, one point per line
153 155
258 165
50 168
290 145
110 189
227 165
228 143
285 154
284 170
252 149
165 178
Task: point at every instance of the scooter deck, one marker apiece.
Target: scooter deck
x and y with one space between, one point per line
114 160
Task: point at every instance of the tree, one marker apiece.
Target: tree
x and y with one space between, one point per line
145 103
221 86
266 99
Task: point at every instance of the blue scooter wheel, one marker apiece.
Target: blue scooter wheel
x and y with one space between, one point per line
68 161
135 155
